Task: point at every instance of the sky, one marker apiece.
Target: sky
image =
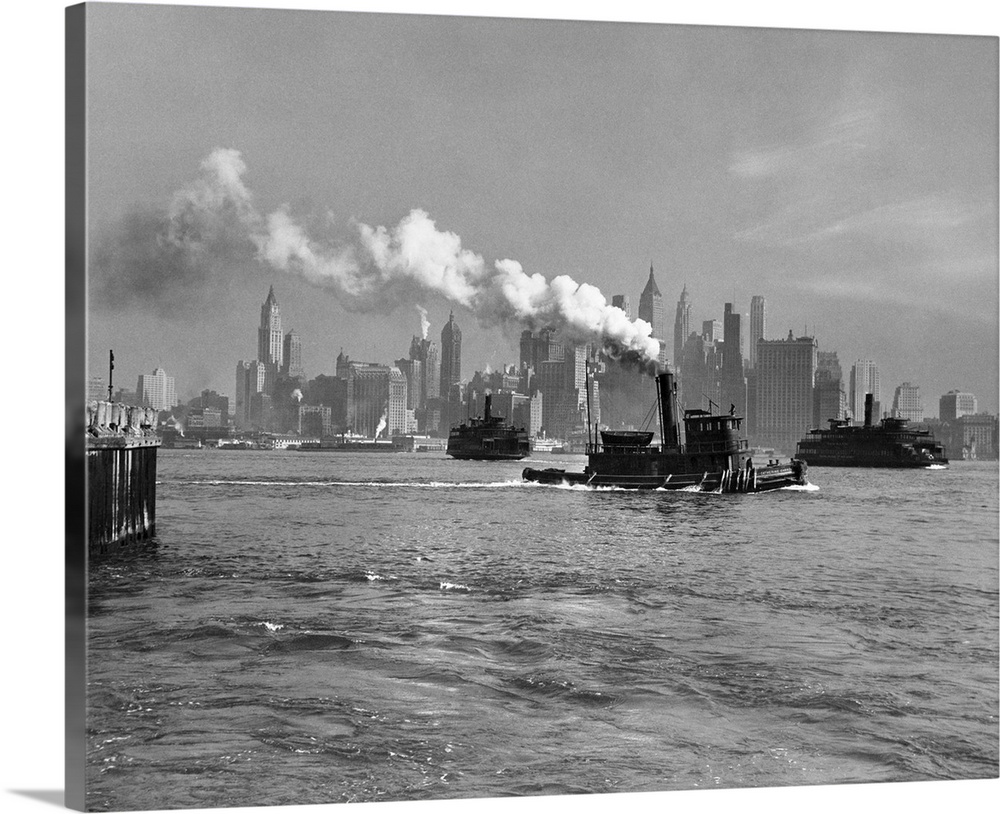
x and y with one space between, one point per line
352 160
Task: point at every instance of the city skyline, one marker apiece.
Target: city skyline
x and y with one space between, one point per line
737 203
852 394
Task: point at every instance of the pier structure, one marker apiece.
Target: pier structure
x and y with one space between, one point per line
121 476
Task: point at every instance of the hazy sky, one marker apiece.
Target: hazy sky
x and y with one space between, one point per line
849 178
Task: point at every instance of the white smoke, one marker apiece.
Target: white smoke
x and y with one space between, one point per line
382 423
176 425
379 268
425 324
297 394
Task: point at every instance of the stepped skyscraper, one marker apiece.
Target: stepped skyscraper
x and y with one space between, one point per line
651 310
682 326
270 341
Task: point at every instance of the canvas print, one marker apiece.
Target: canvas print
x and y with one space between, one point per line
483 407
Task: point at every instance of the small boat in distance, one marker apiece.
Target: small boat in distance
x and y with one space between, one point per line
890 444
714 458
488 438
543 443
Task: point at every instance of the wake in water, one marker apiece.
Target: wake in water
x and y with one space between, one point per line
366 483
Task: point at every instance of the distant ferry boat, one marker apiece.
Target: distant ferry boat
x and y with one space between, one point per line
890 444
543 444
488 439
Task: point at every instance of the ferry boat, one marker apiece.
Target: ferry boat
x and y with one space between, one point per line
890 444
488 438
714 458
542 443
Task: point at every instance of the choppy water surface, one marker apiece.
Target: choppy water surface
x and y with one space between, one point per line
333 627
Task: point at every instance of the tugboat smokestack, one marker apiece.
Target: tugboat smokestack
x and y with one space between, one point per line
869 404
668 410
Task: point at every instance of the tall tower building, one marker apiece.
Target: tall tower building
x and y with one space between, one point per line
376 399
651 310
864 379
292 355
156 390
270 344
252 379
451 354
829 398
682 325
733 383
906 402
786 375
758 325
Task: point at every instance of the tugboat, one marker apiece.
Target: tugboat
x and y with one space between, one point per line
715 457
891 444
488 439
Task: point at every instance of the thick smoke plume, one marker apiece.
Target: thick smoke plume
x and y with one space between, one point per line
213 223
425 324
165 260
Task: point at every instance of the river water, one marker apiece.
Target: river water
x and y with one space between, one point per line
334 627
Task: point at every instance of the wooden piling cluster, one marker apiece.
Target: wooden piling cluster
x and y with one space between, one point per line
121 475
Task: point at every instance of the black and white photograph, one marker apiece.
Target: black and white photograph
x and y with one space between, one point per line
518 410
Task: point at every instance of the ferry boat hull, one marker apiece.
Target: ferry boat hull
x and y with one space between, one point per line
488 439
890 444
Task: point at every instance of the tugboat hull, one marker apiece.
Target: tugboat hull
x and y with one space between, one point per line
764 479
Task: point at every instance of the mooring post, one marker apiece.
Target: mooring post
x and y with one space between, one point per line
121 475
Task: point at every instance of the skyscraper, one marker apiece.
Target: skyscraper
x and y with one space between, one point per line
906 402
269 338
651 310
376 399
156 390
864 379
733 383
292 355
954 404
700 363
830 400
758 325
682 326
451 354
786 374
252 378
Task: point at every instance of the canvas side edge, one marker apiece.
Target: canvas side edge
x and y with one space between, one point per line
75 381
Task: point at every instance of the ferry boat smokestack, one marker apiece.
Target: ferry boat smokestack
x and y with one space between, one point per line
668 410
487 414
869 405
